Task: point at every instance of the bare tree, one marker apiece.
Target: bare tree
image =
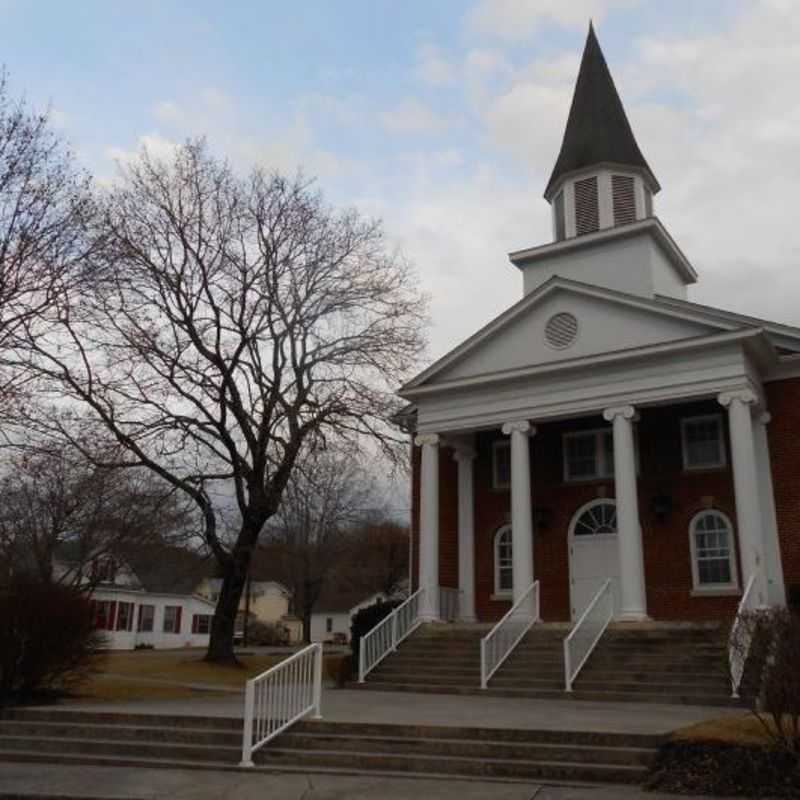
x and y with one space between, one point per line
45 211
377 556
62 515
309 536
235 322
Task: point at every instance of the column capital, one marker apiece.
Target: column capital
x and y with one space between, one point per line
626 412
428 438
519 426
746 396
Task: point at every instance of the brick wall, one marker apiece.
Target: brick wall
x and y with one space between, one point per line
668 574
783 401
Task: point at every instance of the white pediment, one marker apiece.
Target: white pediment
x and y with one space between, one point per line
607 322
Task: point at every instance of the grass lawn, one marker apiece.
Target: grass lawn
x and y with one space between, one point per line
163 672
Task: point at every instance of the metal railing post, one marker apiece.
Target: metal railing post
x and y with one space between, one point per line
394 629
361 675
567 668
318 683
483 664
247 735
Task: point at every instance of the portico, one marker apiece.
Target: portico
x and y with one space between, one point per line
747 444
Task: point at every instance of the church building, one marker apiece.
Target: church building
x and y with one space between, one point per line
605 427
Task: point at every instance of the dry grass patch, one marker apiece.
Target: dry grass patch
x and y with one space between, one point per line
742 730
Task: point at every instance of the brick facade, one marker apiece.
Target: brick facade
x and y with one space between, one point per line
668 569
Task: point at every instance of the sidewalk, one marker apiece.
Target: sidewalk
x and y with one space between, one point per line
408 708
127 783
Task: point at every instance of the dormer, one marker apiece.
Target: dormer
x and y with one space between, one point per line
600 179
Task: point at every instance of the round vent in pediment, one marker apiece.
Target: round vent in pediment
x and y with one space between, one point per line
561 330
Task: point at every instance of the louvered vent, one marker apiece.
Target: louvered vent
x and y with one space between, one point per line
587 216
561 330
558 210
624 199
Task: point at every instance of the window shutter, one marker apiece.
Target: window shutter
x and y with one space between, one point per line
587 215
558 209
178 619
195 623
624 199
112 615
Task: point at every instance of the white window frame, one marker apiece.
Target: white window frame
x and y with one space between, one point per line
600 459
500 593
496 483
685 422
732 587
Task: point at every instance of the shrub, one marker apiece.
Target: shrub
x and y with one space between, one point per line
47 639
264 634
366 619
774 637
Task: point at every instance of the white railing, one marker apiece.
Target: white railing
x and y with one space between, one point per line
586 633
280 697
449 603
500 642
388 633
741 637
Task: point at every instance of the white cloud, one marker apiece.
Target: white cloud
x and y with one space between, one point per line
433 67
411 116
515 20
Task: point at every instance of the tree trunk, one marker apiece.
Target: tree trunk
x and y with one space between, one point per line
307 625
223 625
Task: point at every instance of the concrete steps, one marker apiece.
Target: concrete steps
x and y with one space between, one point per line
116 739
662 663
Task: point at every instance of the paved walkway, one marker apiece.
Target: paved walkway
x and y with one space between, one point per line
353 705
127 783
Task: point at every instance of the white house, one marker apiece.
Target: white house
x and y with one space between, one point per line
334 614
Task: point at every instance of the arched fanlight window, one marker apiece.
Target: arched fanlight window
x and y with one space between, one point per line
503 562
713 551
597 517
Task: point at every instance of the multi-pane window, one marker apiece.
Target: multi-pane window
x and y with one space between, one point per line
201 623
147 616
713 555
501 465
172 619
104 613
503 562
588 455
703 442
125 617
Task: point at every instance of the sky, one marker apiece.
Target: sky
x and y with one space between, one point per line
444 118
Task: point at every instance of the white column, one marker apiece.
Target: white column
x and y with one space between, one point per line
429 526
746 488
521 514
465 458
629 532
776 590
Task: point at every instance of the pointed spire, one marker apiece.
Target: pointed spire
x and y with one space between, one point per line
597 128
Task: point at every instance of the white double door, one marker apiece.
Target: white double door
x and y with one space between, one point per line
592 560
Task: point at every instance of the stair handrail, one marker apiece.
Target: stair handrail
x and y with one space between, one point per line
741 637
383 639
591 625
501 640
281 696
